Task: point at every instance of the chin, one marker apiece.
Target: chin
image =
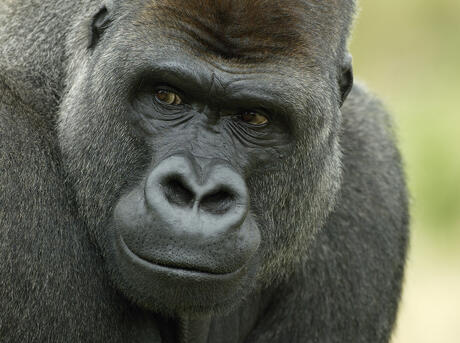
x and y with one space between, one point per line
173 290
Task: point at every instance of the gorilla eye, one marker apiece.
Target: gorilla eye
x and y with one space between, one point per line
167 97
254 118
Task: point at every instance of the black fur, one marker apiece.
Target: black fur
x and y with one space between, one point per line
327 194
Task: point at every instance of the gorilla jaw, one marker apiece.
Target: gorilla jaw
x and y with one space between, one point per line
184 256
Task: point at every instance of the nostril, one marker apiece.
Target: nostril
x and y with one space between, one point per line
218 202
177 193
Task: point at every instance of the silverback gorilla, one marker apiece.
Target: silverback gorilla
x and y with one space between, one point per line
193 171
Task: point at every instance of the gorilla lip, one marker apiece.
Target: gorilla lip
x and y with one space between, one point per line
178 271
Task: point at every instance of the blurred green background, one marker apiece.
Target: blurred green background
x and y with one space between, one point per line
408 52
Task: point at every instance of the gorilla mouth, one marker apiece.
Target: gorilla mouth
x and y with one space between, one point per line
180 271
174 289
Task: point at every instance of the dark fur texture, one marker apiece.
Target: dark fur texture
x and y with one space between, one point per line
333 214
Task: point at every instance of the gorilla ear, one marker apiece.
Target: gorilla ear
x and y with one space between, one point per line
100 22
346 78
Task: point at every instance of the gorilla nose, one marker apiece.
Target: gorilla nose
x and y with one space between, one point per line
178 192
208 200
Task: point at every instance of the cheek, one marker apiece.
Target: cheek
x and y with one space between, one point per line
292 203
102 160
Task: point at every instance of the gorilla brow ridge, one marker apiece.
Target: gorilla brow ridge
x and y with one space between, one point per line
250 30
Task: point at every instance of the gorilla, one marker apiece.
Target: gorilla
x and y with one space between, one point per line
193 171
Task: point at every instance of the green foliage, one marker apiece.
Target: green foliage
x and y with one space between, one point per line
408 52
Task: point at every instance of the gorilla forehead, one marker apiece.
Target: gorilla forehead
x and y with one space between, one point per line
253 29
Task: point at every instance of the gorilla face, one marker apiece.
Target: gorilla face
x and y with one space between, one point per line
190 164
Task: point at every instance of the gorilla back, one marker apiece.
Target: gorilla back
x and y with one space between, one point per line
194 171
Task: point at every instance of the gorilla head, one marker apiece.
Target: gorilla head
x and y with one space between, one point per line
201 139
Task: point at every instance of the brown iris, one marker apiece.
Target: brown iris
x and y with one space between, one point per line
254 118
168 97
